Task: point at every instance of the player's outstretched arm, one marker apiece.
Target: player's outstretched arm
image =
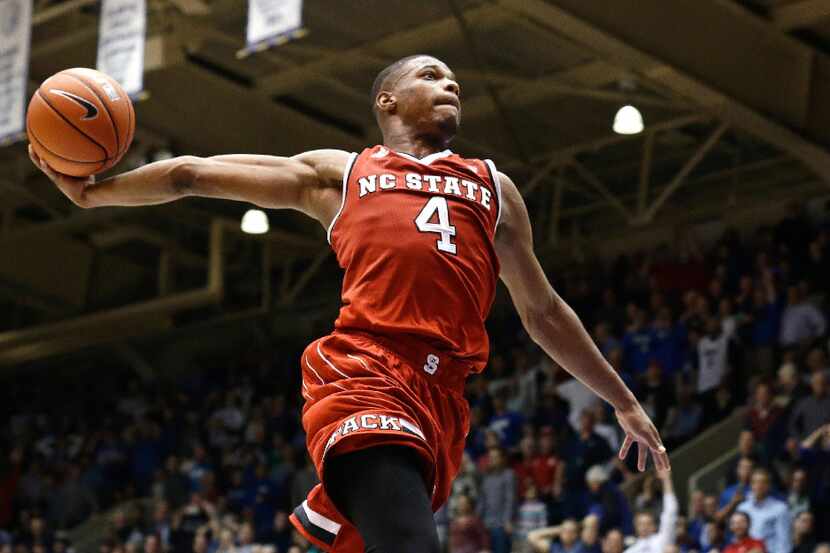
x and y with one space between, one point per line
268 181
556 328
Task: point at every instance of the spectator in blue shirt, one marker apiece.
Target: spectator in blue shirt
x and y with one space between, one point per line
638 343
770 517
557 539
507 424
666 347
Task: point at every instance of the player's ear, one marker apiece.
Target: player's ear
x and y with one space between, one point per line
387 102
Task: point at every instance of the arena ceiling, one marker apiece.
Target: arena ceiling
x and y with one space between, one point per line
735 95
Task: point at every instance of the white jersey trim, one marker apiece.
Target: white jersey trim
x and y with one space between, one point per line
428 159
494 175
319 520
346 174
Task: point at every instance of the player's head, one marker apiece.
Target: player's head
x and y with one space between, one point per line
417 94
739 524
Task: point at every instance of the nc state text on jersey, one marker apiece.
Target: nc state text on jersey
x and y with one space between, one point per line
430 183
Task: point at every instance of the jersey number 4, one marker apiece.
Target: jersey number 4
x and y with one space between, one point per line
437 205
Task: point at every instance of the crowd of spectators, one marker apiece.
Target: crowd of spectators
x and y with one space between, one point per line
218 455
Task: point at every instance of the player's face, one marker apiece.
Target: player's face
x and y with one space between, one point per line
428 96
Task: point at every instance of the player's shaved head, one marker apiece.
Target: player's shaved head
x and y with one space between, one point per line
390 73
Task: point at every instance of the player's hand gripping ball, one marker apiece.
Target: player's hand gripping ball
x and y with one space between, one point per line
80 122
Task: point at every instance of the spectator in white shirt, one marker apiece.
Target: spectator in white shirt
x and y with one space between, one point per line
770 517
651 539
801 321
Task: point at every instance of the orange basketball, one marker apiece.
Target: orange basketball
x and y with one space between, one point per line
80 121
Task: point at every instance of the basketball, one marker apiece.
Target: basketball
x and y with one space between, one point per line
80 121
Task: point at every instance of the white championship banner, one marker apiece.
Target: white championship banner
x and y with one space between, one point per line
15 31
121 42
272 22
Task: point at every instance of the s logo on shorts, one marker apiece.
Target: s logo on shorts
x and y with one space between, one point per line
431 366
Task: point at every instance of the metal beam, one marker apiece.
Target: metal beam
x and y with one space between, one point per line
645 173
306 277
687 168
600 187
405 42
537 179
800 14
619 50
564 155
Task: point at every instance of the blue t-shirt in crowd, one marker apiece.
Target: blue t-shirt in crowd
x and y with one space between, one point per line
557 547
727 494
766 324
667 348
638 347
508 426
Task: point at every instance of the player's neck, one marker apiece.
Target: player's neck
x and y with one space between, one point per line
418 146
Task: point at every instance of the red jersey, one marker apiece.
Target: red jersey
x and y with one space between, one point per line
415 238
745 545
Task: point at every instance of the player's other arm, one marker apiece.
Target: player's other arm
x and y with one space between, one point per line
268 181
556 328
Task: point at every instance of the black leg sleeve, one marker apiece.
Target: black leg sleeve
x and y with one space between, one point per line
382 492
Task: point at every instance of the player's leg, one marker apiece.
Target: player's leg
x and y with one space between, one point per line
381 490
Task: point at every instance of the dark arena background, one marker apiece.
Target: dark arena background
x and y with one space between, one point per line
151 393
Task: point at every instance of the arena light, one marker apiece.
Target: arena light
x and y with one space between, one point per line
255 221
628 120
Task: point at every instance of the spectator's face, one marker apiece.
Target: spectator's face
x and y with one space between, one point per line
760 485
528 447
496 458
465 506
200 543
714 533
151 544
818 383
601 332
590 530
710 505
799 481
570 533
744 470
644 525
804 523
746 442
491 439
763 395
738 525
613 542
680 527
696 507
586 422
671 548
745 284
712 326
531 493
280 521
547 443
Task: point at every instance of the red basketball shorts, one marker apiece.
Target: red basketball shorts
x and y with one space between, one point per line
363 391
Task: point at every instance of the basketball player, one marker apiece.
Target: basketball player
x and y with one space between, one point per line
422 234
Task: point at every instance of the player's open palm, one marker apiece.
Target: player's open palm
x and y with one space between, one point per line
72 187
639 429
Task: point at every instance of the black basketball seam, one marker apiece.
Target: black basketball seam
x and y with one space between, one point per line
42 145
62 116
106 108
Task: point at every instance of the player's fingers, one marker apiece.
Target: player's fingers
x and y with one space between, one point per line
642 456
661 459
626 445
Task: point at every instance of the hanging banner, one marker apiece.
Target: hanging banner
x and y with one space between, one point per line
121 43
272 22
15 32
